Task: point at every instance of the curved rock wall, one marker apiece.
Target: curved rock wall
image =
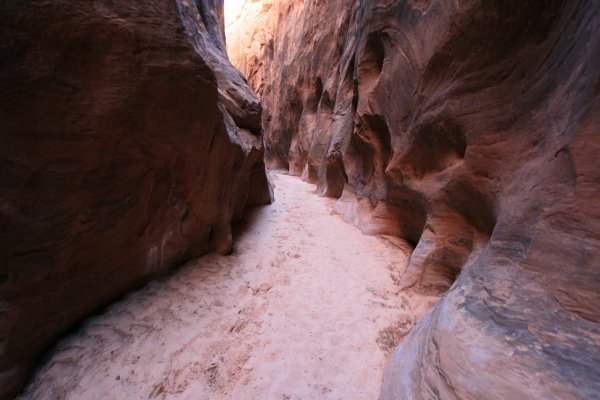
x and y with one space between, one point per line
469 128
128 145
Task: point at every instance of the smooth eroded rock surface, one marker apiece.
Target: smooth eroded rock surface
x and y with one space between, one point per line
128 145
471 129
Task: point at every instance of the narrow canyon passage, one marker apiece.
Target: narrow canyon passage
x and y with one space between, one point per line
135 133
307 307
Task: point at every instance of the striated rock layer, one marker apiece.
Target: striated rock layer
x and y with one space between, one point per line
128 145
469 128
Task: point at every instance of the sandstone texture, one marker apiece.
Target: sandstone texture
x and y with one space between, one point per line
128 145
471 129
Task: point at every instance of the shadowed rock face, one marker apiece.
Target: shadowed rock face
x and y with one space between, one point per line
128 145
469 128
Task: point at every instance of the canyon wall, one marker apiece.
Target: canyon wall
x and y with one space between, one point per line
471 129
128 146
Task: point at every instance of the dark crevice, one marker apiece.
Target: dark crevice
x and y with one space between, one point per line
436 145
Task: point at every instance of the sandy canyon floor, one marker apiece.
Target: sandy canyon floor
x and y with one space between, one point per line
307 307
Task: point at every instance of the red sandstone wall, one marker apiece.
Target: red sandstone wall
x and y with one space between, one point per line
128 144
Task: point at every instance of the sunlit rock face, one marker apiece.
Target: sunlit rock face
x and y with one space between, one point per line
469 128
128 145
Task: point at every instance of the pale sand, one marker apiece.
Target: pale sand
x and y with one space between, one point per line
307 307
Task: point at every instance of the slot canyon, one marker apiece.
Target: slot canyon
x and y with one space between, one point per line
300 199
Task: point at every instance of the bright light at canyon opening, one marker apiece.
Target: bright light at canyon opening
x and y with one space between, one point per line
232 9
